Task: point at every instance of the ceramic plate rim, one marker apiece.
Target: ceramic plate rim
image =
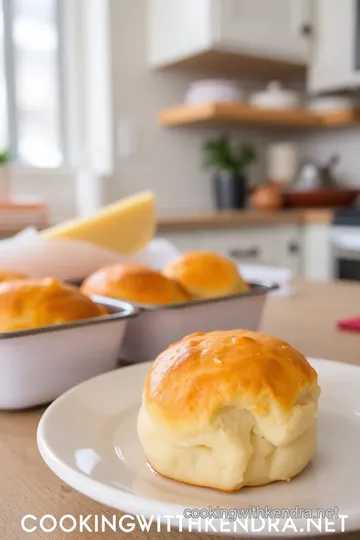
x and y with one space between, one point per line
128 503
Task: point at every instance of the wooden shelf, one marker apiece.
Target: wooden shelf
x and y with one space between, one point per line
242 218
220 113
228 65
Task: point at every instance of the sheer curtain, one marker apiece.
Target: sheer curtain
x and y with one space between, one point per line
55 84
3 109
34 77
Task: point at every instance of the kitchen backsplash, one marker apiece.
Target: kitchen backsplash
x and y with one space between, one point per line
168 160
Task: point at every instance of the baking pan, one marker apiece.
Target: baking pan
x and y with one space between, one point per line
38 365
157 327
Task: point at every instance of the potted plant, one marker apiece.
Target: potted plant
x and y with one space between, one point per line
230 164
5 175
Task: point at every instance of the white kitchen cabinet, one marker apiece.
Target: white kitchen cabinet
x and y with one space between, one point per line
278 246
275 28
245 245
317 253
188 240
177 29
269 29
289 248
335 56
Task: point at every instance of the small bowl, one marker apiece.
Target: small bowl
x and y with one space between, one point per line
275 97
217 90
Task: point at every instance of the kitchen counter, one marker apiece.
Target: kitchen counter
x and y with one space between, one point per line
245 218
307 320
230 219
8 233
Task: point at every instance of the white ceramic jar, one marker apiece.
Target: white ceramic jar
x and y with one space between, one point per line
275 97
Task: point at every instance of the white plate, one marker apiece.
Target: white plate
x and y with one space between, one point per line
88 439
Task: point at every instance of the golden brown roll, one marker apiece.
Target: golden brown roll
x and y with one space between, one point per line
135 283
34 303
205 274
8 275
229 409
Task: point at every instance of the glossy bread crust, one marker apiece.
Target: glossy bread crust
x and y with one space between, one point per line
207 371
229 409
35 303
135 283
8 275
206 275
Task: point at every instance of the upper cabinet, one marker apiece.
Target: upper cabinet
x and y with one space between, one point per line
315 40
177 29
335 58
267 37
276 29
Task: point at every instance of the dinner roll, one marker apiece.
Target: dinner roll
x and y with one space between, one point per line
205 274
134 283
34 303
229 409
8 275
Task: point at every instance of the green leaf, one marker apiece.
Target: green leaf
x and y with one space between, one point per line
247 156
4 157
218 154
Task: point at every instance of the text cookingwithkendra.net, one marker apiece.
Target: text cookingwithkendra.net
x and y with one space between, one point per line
205 520
257 512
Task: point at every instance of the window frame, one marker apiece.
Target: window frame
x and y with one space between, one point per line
81 141
10 77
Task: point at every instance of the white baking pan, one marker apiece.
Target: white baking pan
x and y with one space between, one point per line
38 365
157 327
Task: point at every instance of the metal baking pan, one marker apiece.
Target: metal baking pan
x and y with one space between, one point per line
157 327
38 365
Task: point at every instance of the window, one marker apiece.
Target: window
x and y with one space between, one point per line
3 96
55 107
31 47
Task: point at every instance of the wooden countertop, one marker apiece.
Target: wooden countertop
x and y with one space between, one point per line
202 219
307 320
245 218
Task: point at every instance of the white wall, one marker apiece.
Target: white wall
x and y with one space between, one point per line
345 142
167 161
68 194
57 189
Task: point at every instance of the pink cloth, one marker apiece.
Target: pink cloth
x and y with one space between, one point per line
350 324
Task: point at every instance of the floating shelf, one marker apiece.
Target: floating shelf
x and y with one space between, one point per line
227 65
220 113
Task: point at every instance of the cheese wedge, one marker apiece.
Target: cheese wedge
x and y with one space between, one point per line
124 227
